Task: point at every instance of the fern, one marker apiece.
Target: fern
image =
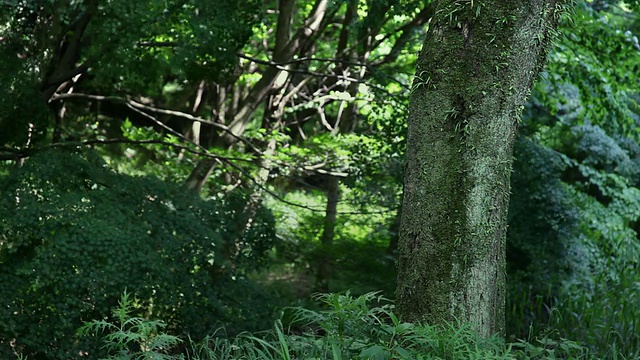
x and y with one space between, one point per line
132 337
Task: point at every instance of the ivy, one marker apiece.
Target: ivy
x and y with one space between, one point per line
75 235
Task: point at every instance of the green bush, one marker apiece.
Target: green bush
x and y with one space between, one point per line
601 310
543 250
572 248
74 235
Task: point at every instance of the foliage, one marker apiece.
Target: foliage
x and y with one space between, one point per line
365 327
125 46
195 60
18 111
543 249
71 243
351 328
131 337
583 85
601 308
73 235
361 239
581 192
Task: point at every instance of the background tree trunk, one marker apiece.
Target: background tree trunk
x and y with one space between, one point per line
325 264
477 65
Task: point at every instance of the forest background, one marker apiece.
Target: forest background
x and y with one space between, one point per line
221 162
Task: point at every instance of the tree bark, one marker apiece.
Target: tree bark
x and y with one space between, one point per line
475 71
325 262
394 232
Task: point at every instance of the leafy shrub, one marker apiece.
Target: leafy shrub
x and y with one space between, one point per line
601 309
586 112
543 250
74 235
576 274
597 149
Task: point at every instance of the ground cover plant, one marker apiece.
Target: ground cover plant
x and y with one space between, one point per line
349 327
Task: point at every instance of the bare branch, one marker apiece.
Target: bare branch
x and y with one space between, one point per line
137 105
261 88
67 56
419 20
158 44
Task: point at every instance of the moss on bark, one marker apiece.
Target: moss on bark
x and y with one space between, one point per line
478 63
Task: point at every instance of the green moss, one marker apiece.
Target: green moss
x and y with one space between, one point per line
461 129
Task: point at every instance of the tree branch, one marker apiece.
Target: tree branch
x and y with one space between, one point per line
16 154
136 105
419 20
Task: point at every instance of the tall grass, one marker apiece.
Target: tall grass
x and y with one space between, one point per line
606 319
601 312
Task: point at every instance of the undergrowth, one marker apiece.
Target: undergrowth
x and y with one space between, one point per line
347 327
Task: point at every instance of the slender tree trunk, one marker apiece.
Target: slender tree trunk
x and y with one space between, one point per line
475 71
394 231
200 174
254 200
325 265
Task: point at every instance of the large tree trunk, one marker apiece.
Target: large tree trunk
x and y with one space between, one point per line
475 71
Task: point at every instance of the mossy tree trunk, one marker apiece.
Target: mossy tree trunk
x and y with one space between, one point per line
475 71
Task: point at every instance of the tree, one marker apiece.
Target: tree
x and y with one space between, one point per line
249 93
75 47
477 66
